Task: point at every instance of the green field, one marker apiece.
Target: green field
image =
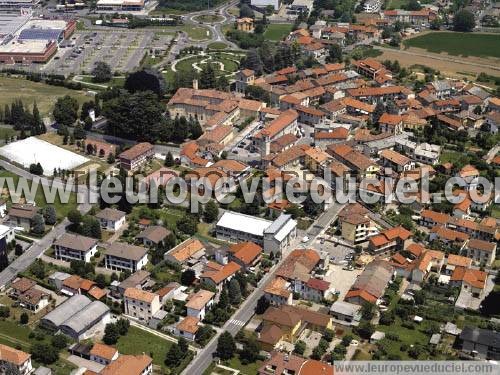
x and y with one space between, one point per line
217 45
458 44
28 91
208 18
277 31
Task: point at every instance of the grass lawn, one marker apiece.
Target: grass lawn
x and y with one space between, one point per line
29 92
7 132
249 369
448 156
396 4
217 45
208 18
62 209
138 341
458 44
277 31
495 211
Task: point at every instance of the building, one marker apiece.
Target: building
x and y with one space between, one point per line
216 276
21 215
13 361
34 300
27 52
154 235
245 24
277 292
124 257
57 278
346 313
141 304
246 254
139 280
187 328
371 283
130 365
136 156
20 286
421 17
191 248
390 240
70 247
361 165
389 123
471 280
272 236
396 161
78 317
111 219
120 5
355 223
283 363
199 303
482 252
103 354
265 3
244 78
480 343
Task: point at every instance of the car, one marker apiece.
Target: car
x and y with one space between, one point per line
235 151
305 239
322 240
354 342
348 268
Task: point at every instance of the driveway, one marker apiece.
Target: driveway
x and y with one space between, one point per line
82 362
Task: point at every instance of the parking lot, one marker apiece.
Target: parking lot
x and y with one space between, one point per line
123 50
341 279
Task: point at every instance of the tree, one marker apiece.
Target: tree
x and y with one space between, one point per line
211 212
49 214
101 72
203 334
18 249
183 344
169 160
38 269
335 53
223 299
250 352
234 292
225 346
65 110
111 158
365 330
75 217
100 280
122 325
262 305
222 83
44 353
38 225
188 277
463 21
300 347
413 5
4 311
188 225
36 169
174 356
207 77
111 334
59 341
195 129
146 80
378 112
79 132
246 11
37 120
24 318
310 207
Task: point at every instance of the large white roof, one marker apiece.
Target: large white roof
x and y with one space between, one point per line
285 230
243 223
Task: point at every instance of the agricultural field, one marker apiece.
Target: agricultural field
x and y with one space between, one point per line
45 95
277 31
458 44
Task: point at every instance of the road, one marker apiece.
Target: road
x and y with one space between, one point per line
246 310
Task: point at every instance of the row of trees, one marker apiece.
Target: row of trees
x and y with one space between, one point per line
21 118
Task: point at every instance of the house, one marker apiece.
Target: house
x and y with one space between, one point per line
20 286
216 278
316 159
103 354
480 343
34 300
427 261
285 123
76 285
472 280
324 138
169 291
360 164
284 363
120 256
355 224
246 254
453 261
22 215
315 290
482 252
448 236
189 249
70 247
245 24
111 219
198 304
390 123
244 78
470 175
154 235
3 208
187 328
139 280
371 283
136 156
390 240
57 278
277 292
14 361
141 304
129 364
346 313
396 161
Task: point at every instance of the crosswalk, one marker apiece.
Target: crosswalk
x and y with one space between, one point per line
237 323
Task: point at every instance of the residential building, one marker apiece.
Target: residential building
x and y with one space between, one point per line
399 163
371 283
246 254
245 24
390 123
277 292
469 279
111 219
141 304
390 240
284 364
154 235
244 78
217 276
14 361
21 215
482 252
20 286
361 165
70 247
136 156
187 328
355 223
198 304
34 300
120 256
191 248
103 354
130 365
316 290
346 313
480 343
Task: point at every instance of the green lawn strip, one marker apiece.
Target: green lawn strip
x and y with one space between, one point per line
277 31
62 209
217 45
458 44
248 369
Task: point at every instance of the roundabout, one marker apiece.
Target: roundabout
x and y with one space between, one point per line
224 63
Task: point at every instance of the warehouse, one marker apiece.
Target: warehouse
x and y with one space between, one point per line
78 317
